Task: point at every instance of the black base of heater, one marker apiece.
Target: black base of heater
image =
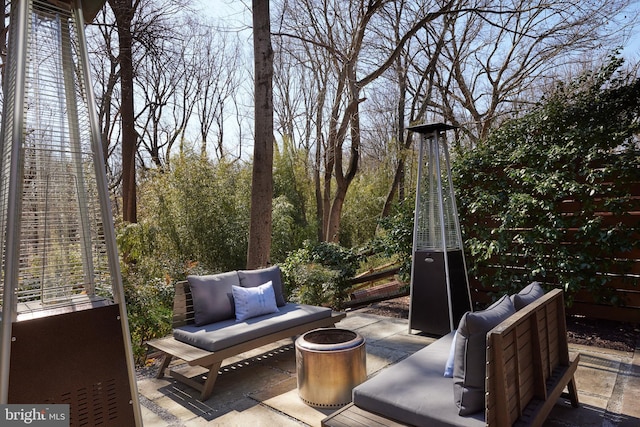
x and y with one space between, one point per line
429 310
75 358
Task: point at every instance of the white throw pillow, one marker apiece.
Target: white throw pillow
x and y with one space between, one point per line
255 301
448 368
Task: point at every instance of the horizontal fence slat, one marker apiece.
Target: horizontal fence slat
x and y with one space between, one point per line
620 269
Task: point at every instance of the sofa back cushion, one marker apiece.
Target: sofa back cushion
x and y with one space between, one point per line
213 297
470 356
253 278
527 295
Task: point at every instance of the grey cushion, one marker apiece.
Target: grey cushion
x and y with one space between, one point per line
252 278
226 333
470 359
414 391
212 297
526 296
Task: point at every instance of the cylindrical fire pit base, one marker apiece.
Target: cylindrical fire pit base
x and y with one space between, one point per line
330 363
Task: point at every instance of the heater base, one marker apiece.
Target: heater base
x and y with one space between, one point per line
429 311
75 358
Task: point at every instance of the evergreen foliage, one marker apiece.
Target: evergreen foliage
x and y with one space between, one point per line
395 239
200 211
149 296
579 146
293 196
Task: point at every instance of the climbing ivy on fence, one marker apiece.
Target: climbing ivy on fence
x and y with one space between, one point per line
547 196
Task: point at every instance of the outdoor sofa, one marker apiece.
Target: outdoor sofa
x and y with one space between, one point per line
507 366
223 315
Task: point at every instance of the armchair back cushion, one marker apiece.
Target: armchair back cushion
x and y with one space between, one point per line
470 357
527 295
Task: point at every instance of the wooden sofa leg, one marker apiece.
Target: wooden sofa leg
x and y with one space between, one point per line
166 359
212 375
573 393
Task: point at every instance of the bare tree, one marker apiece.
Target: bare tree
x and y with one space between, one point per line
483 63
102 39
425 49
344 38
123 11
262 176
167 86
218 68
497 61
122 37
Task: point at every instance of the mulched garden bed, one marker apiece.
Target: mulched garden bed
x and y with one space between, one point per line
592 332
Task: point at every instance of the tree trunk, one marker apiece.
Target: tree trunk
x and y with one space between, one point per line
123 11
335 215
343 180
398 179
262 179
318 193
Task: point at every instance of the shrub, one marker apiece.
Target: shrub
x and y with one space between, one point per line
395 238
319 274
148 295
200 211
149 311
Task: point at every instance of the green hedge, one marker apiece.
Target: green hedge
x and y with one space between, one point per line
577 148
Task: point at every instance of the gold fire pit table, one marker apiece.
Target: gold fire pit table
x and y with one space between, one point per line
330 363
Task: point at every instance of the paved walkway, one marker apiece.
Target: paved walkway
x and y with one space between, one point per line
259 388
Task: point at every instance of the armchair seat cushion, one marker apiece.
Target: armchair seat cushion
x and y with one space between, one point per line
409 390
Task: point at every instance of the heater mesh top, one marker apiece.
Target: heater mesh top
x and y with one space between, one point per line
436 226
48 187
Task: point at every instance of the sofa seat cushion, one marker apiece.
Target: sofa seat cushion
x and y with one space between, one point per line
227 333
414 391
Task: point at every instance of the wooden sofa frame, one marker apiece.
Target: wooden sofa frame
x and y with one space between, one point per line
528 367
183 314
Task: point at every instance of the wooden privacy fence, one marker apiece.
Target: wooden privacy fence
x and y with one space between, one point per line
620 270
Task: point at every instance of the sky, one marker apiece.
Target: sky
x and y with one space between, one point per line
237 15
238 11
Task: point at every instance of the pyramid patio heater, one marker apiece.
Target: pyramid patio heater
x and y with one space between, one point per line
64 328
439 285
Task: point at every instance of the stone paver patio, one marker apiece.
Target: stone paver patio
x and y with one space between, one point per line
259 388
